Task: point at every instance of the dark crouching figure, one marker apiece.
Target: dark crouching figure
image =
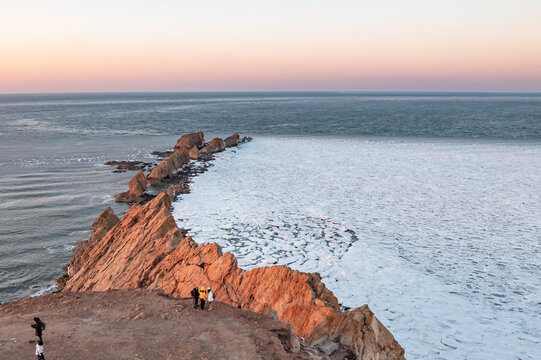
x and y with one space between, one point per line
195 296
39 326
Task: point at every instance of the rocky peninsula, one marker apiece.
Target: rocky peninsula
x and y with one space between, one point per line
145 250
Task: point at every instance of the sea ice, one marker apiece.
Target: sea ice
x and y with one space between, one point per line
440 238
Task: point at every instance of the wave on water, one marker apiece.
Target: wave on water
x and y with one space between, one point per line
54 127
44 289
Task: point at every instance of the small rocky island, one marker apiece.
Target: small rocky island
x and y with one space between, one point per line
144 255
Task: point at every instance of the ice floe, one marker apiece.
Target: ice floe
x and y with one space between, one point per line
440 238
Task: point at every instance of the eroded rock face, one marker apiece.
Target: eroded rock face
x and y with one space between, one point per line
168 166
129 165
216 145
194 153
374 342
137 186
130 250
146 249
188 141
101 226
232 140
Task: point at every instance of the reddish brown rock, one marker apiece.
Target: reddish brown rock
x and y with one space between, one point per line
137 187
125 255
232 140
216 145
168 166
194 153
101 226
146 249
374 342
188 141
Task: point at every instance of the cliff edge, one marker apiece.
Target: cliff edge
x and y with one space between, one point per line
146 249
143 324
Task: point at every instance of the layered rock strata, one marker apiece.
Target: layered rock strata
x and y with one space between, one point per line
232 140
137 186
188 141
146 249
194 153
214 146
101 226
121 166
168 166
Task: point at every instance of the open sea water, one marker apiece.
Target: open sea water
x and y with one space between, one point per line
425 206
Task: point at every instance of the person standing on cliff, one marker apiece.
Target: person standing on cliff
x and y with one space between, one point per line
39 326
195 296
210 298
202 296
39 351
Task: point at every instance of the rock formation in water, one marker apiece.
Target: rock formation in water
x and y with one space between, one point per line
216 145
137 186
121 166
188 141
194 153
232 140
168 166
101 226
146 249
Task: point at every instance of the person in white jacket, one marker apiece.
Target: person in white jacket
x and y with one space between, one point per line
39 351
210 298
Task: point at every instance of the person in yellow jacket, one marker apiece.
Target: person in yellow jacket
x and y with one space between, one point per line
202 296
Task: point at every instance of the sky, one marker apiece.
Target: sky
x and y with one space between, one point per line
340 45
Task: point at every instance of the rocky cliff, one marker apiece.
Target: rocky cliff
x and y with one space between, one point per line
188 141
168 166
232 140
214 146
137 186
146 249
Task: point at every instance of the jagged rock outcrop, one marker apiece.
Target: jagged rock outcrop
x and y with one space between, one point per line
194 153
100 227
146 249
168 166
130 250
188 141
216 145
137 186
121 166
232 140
374 342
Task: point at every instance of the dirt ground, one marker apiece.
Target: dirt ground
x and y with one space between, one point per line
138 324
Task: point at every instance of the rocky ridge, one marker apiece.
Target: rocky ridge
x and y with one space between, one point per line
137 187
146 249
173 172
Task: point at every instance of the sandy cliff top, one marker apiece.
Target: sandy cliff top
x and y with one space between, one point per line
140 324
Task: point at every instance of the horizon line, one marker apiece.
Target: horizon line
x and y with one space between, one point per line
537 92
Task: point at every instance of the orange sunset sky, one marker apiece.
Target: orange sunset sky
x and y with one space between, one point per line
92 46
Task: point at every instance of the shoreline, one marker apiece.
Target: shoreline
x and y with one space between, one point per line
320 320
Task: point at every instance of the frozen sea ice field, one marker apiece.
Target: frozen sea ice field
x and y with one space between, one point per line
441 238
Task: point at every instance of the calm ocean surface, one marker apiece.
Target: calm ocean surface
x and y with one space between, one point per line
481 152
